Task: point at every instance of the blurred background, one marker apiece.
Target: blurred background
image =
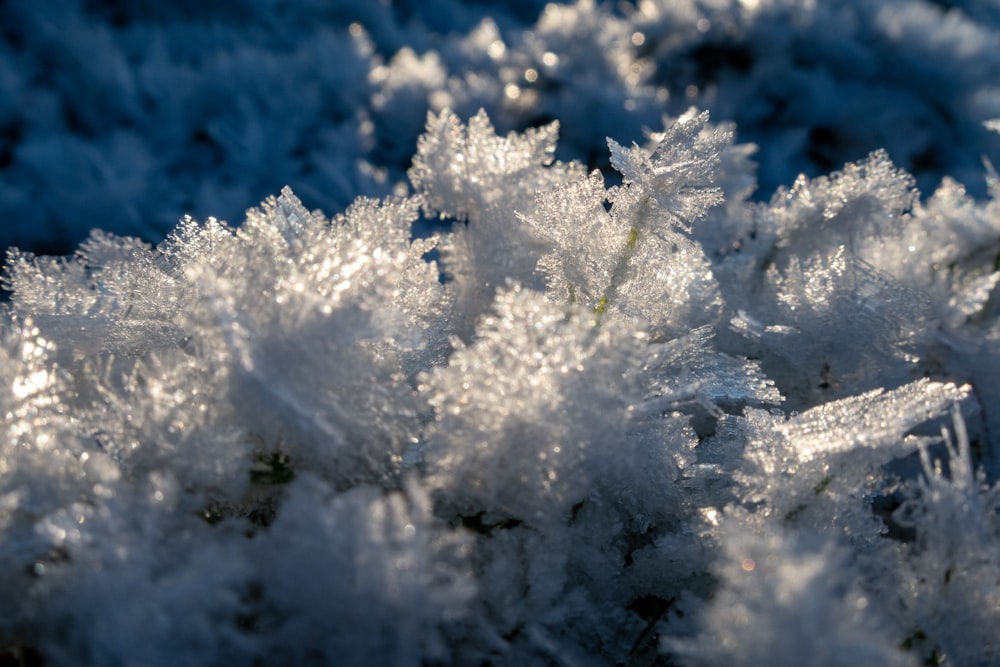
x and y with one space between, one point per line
126 115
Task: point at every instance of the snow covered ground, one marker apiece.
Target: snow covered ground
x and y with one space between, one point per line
566 334
126 116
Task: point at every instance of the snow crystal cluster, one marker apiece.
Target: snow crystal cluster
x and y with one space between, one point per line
628 418
135 113
608 422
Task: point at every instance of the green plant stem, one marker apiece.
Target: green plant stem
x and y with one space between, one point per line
618 274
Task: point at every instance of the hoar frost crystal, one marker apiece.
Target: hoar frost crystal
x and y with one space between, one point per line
646 424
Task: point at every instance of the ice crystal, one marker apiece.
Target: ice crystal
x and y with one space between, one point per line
858 207
460 169
838 322
508 438
114 296
609 415
642 268
468 172
381 570
588 240
678 179
952 514
341 285
689 369
784 597
872 419
821 467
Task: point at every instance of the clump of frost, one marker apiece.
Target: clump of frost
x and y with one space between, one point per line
468 173
137 113
946 576
784 598
637 424
641 260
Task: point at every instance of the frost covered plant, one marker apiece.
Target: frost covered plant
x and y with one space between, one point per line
783 600
136 113
651 423
947 574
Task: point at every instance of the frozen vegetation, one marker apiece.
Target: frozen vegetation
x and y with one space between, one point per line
128 114
551 389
